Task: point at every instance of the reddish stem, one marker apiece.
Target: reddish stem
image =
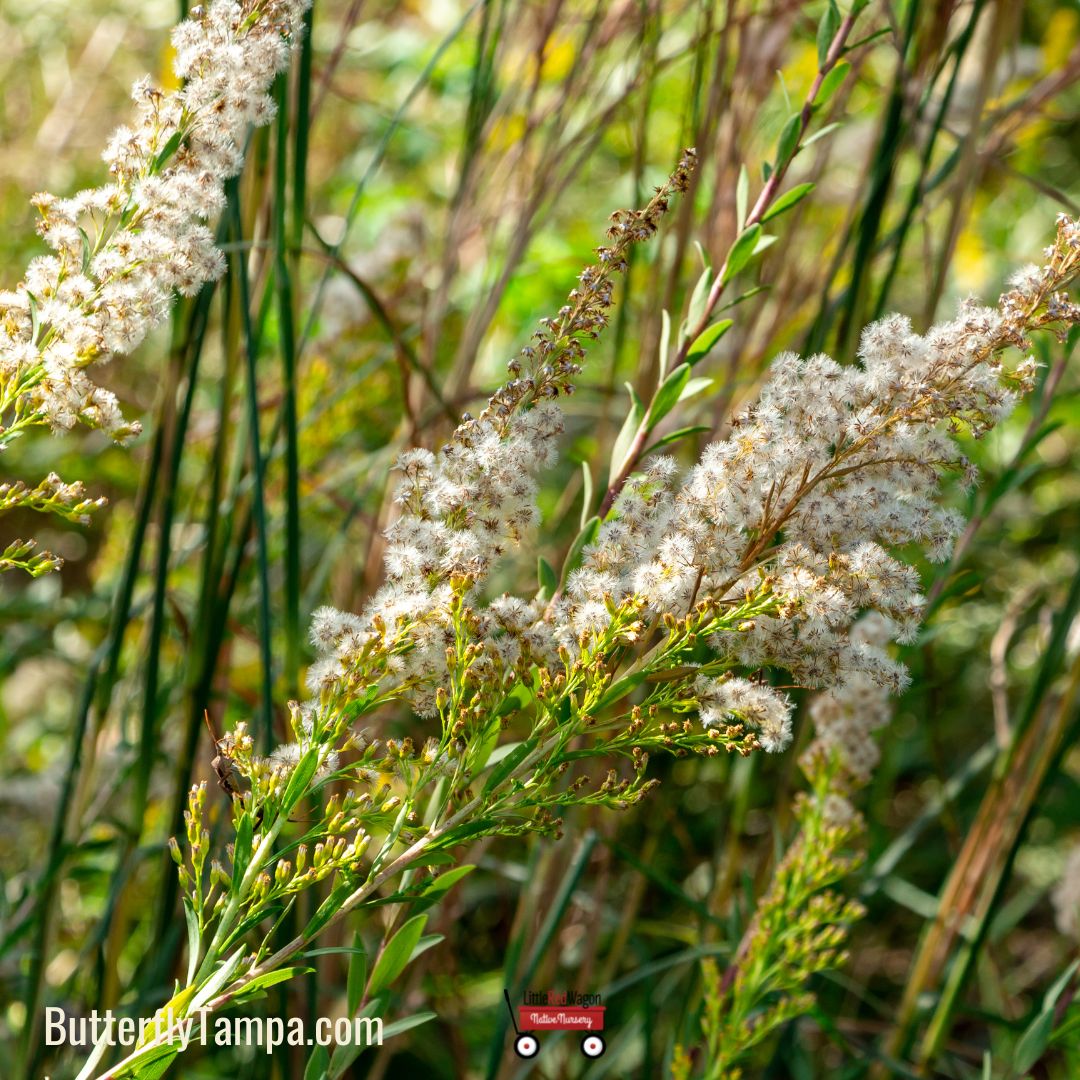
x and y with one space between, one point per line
767 197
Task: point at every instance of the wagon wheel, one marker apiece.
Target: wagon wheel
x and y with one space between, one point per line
592 1046
526 1046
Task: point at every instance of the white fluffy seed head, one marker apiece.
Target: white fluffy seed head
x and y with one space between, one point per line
146 227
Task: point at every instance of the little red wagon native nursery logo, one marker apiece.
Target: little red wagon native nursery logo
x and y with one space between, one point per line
556 1010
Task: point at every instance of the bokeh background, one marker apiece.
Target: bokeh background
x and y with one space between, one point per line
456 170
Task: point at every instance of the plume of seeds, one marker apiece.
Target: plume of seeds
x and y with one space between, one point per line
546 368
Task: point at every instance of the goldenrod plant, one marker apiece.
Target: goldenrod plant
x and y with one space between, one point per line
760 558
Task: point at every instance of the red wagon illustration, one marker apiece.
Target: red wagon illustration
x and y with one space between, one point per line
588 1020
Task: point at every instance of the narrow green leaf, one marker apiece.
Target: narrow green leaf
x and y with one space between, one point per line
627 432
346 1053
287 344
1033 1042
676 436
508 764
406 1023
789 140
90 1065
194 938
696 311
433 858
300 781
586 493
441 885
253 327
459 834
1059 986
85 241
1071 338
252 920
828 129
396 955
519 697
157 1063
357 975
873 36
667 395
784 90
741 251
428 941
499 753
621 688
665 339
764 241
546 578
176 1006
1017 473
35 316
393 834
167 151
241 849
788 200
831 83
743 296
694 387
271 978
328 908
742 197
224 971
826 31
318 1064
702 346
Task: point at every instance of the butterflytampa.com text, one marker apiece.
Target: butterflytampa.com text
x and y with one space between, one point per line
202 1028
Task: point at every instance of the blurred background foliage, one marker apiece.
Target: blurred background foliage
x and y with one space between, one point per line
458 168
